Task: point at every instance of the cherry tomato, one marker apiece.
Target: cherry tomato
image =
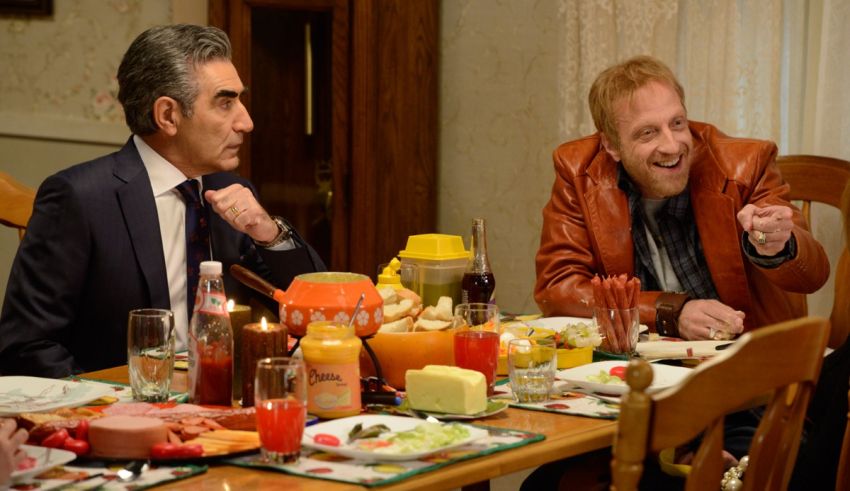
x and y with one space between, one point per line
82 432
166 450
79 447
189 450
618 371
56 439
325 439
163 450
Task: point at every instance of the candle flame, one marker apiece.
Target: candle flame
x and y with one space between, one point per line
230 305
263 324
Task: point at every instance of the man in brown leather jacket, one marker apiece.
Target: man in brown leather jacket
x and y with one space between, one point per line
701 218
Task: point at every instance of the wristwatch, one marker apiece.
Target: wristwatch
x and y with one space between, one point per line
668 306
282 236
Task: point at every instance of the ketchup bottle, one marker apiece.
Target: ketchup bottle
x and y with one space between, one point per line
478 284
210 341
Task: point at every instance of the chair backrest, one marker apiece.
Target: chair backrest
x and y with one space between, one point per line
814 178
778 363
823 180
16 202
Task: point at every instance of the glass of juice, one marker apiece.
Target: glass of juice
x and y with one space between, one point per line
280 399
476 339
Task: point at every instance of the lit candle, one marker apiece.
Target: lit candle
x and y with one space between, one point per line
239 316
259 340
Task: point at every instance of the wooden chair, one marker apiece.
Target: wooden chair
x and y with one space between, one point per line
823 180
16 202
778 363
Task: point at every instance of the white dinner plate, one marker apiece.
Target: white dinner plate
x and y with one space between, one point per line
560 323
663 376
341 427
44 460
20 394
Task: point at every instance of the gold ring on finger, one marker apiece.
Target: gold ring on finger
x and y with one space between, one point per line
235 211
761 237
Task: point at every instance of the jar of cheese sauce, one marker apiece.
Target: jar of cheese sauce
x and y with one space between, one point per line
332 356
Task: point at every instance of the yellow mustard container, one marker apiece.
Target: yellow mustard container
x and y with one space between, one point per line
390 277
332 358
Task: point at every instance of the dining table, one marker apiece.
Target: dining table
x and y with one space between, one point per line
565 436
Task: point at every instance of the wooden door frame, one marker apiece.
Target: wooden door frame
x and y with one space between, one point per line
234 17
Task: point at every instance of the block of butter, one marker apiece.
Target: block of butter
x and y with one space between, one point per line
445 389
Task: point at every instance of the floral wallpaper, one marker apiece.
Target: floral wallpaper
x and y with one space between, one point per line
63 66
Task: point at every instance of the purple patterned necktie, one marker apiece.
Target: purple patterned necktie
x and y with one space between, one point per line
197 238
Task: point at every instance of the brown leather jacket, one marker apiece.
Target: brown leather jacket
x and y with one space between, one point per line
587 229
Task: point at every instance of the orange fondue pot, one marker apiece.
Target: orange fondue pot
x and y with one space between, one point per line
330 296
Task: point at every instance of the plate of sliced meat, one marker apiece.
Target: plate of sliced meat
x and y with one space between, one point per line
161 432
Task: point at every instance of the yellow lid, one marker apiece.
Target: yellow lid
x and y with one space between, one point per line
434 247
389 277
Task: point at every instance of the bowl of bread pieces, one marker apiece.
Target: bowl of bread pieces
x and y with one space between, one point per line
411 336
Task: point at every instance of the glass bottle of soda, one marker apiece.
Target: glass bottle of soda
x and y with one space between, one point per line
479 284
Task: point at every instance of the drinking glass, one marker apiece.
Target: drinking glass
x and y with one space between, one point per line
476 339
532 364
619 329
150 353
280 399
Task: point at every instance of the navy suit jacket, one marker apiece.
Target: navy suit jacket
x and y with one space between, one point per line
93 252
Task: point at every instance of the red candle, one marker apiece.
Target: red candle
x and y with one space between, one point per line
259 340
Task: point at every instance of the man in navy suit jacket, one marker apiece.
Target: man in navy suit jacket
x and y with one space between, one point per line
96 246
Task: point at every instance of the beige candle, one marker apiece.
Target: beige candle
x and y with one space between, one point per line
259 340
239 316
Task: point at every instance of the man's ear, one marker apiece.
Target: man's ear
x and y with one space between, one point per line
613 151
167 115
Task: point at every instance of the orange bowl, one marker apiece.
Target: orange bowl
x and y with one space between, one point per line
398 352
330 296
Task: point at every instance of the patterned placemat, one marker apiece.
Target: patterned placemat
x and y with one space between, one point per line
121 392
101 477
322 465
564 399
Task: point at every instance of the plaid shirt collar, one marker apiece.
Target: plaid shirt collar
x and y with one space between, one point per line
679 235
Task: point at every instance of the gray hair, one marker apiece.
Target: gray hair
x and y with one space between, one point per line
161 62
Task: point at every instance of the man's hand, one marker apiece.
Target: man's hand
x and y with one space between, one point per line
11 439
699 317
238 207
769 228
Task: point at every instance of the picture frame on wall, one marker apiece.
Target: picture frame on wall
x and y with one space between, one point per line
26 7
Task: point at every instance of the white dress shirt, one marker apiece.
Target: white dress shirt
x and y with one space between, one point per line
171 211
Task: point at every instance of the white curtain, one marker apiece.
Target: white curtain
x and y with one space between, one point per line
822 126
726 53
